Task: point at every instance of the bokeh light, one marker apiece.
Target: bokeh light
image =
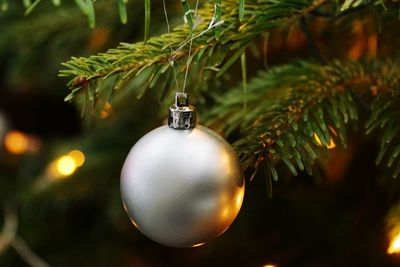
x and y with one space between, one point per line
66 165
16 142
394 247
105 112
78 157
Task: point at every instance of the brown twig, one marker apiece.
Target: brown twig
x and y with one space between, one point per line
26 253
9 238
9 229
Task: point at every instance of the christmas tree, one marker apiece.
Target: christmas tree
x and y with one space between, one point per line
306 91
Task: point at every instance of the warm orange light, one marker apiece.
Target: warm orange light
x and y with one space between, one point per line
198 245
358 44
394 246
106 111
16 142
66 165
78 157
270 265
372 45
225 213
99 37
104 114
239 200
329 146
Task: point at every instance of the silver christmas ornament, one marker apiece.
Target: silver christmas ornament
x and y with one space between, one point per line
182 184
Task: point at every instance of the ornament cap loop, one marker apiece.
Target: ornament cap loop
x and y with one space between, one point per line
182 115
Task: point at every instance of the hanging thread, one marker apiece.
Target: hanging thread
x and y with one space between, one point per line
190 46
170 59
189 40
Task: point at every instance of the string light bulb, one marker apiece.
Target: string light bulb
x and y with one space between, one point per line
393 228
66 165
19 143
78 157
394 247
16 142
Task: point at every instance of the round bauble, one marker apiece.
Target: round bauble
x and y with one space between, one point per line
182 187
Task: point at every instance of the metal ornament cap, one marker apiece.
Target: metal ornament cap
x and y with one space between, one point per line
182 188
182 116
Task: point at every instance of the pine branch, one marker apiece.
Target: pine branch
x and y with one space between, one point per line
66 22
295 111
386 115
148 62
356 3
39 42
85 6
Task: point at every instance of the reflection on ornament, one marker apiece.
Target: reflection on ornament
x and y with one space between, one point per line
182 185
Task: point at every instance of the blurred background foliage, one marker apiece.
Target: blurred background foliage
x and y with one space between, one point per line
63 214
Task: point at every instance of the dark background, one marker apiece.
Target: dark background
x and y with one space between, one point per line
335 218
